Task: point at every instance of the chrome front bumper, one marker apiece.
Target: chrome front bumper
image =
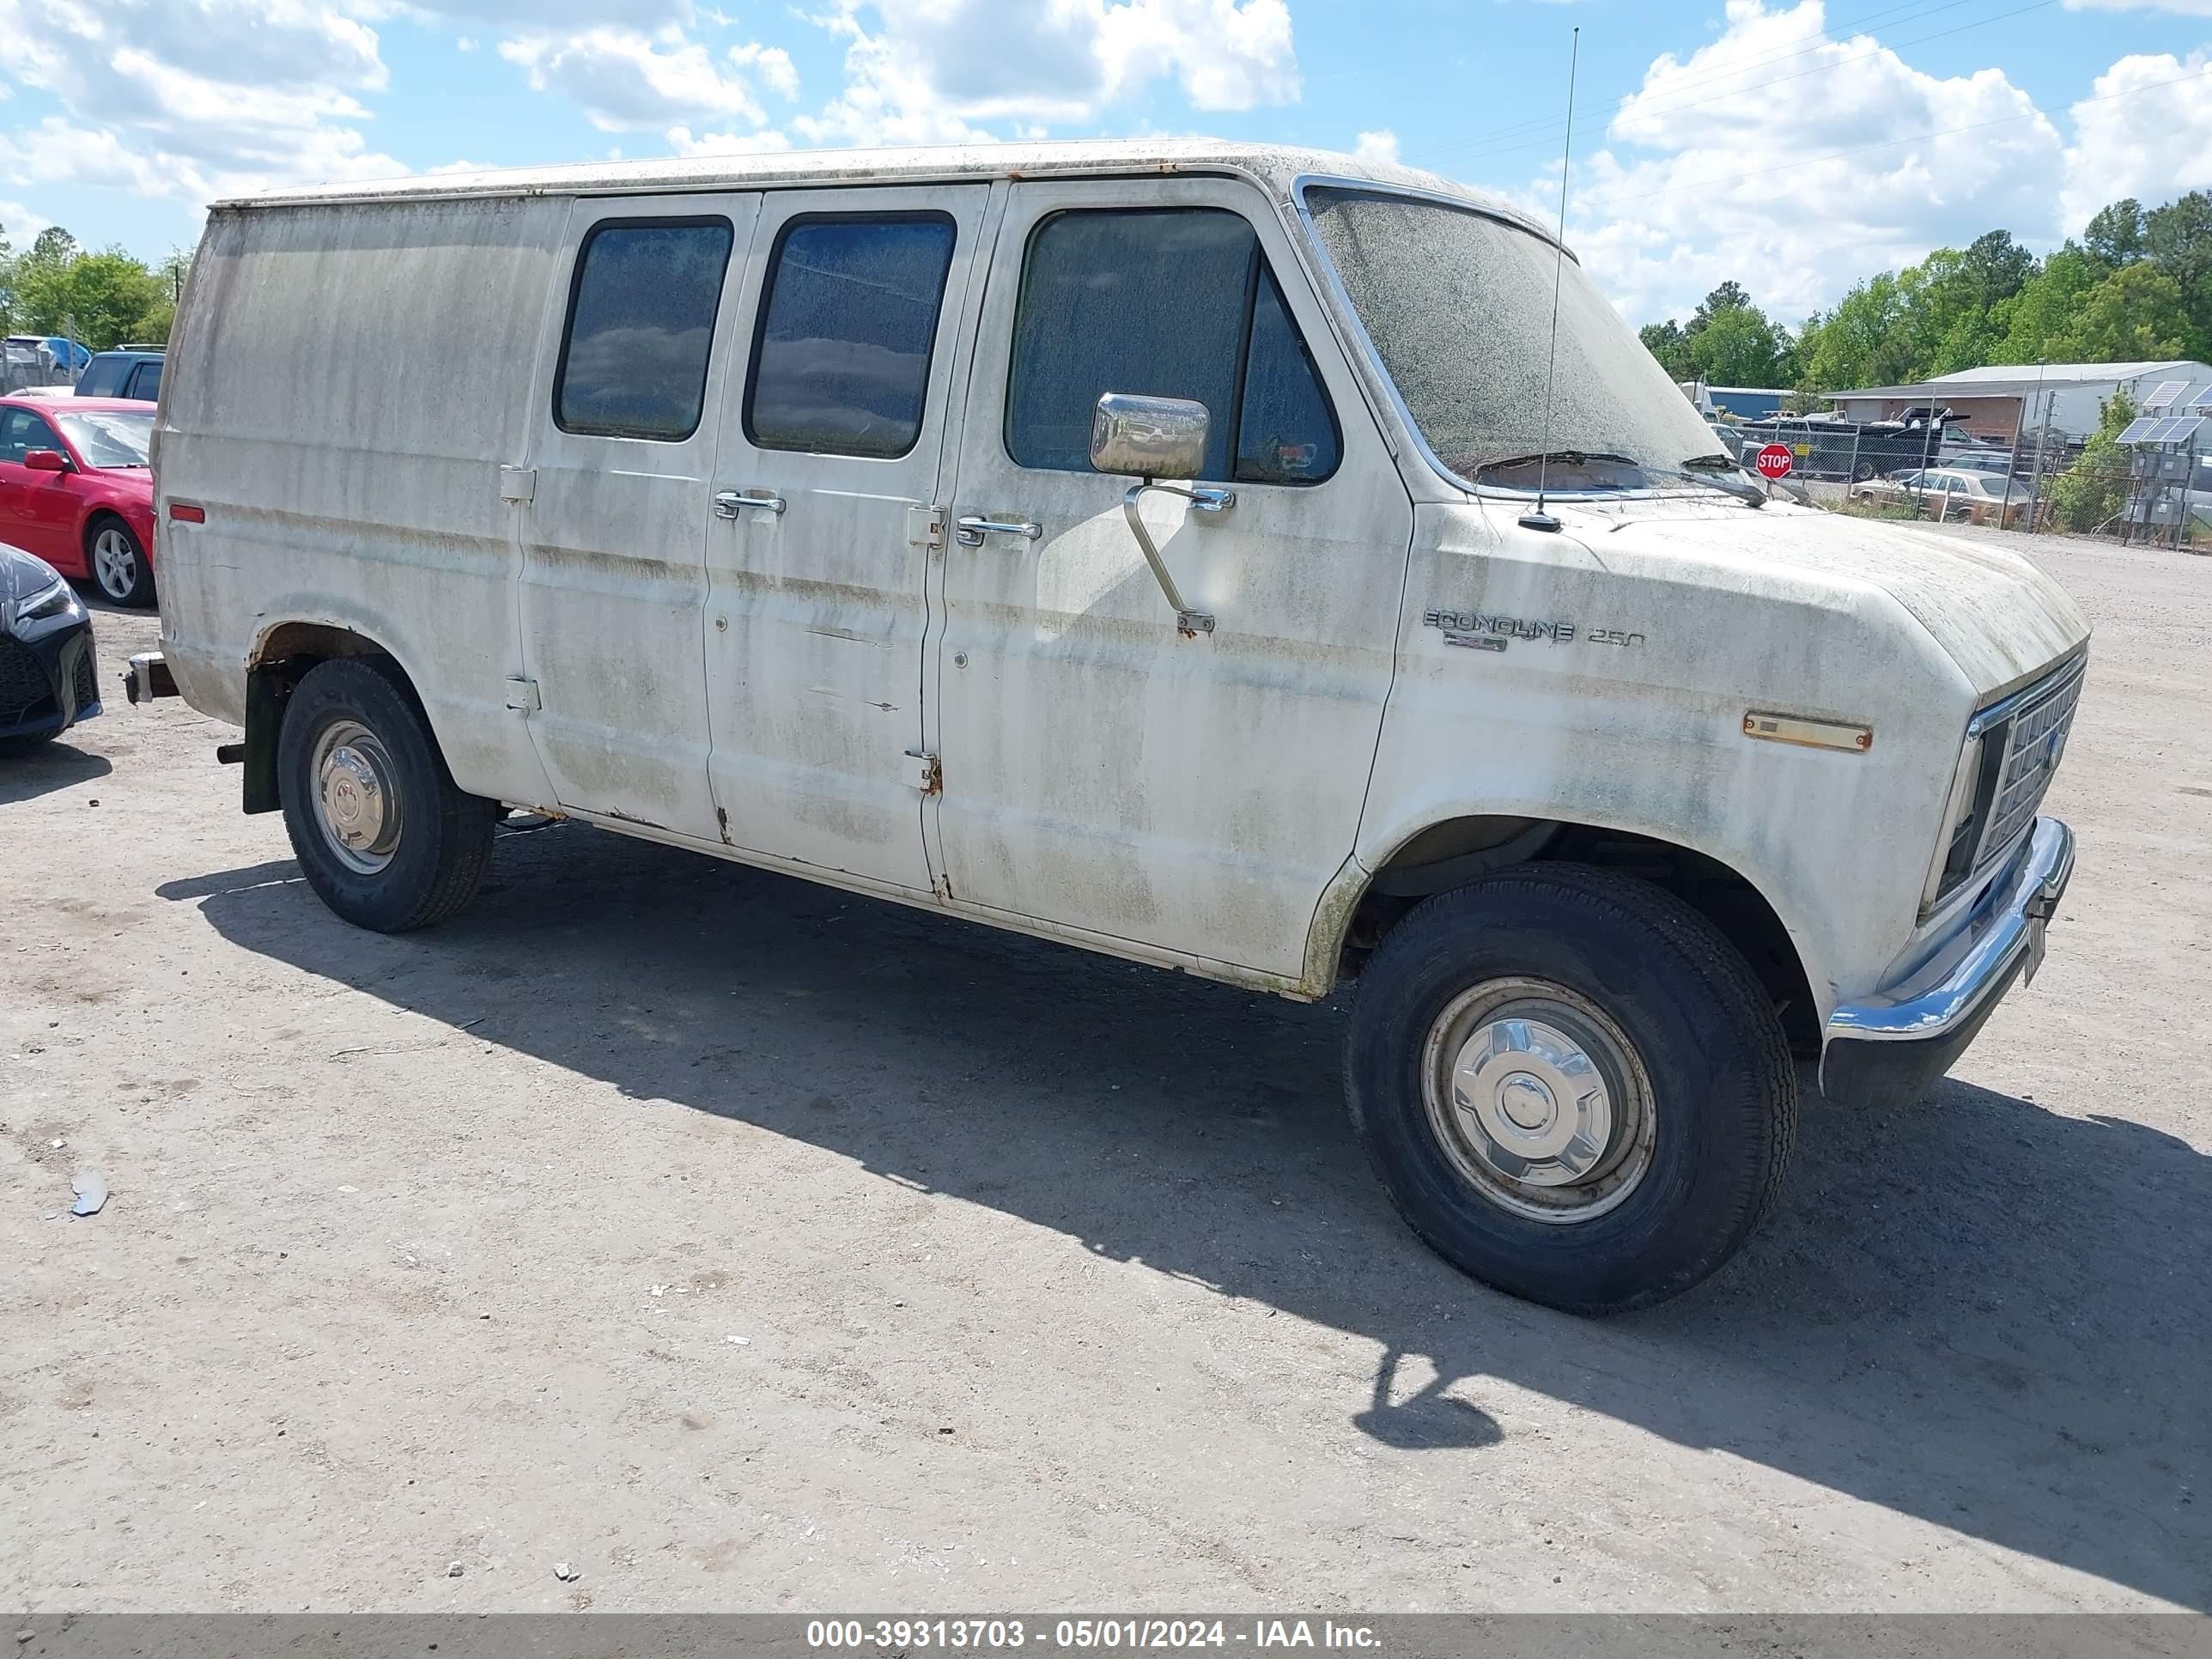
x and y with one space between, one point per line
1893 1045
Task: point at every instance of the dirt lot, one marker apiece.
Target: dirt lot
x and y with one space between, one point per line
748 1246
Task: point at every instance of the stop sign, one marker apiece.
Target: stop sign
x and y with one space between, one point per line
1775 461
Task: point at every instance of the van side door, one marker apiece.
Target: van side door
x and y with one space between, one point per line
615 505
1190 794
834 437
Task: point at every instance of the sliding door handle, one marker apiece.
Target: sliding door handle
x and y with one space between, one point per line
728 503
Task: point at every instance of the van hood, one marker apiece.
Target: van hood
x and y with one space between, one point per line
1996 616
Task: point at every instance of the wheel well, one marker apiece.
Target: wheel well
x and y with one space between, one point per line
279 663
1463 850
288 651
92 520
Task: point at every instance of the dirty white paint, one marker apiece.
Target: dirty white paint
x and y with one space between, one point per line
1103 771
1727 609
354 366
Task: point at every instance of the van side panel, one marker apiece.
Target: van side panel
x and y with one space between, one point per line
344 385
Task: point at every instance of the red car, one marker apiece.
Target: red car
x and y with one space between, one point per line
76 489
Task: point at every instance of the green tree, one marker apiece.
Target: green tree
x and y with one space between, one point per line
2115 235
101 299
2031 323
1859 342
1727 341
1664 342
1994 268
7 283
1728 296
2177 239
1739 346
2094 491
2134 313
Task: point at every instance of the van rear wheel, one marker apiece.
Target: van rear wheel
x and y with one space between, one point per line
1573 1087
383 834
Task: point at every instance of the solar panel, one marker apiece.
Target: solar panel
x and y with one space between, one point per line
2138 430
2182 428
2202 403
2164 397
2161 431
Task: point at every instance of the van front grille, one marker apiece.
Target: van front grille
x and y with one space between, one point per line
2034 741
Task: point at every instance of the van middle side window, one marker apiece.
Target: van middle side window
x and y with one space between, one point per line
641 324
1169 302
842 363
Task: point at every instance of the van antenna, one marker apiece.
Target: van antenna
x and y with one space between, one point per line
1539 519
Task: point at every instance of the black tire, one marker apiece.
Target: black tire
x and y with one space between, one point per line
1861 470
443 839
135 588
1716 1075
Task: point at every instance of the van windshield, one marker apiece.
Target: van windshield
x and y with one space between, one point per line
1459 307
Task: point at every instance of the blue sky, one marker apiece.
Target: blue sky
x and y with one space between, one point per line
1712 138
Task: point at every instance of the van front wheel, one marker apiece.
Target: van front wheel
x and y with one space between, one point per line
382 833
1572 1086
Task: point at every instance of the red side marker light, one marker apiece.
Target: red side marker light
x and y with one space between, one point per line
186 512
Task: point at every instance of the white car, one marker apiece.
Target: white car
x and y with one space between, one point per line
1164 548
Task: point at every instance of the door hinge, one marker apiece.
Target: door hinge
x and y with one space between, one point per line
522 694
517 484
925 526
923 772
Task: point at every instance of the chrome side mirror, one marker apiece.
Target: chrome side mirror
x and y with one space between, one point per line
1158 438
1149 437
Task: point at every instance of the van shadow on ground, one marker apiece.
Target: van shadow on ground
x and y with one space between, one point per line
1976 1312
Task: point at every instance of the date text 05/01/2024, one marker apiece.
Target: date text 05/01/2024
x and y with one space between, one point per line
1110 1634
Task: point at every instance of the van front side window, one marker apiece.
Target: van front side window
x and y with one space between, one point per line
641 324
1171 302
842 366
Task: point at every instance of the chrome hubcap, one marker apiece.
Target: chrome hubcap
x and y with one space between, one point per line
355 807
1539 1099
114 565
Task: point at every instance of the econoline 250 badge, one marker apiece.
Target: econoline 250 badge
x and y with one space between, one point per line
1479 632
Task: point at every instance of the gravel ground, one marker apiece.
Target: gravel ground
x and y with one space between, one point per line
748 1246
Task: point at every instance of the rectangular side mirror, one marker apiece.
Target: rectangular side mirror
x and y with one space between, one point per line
1148 437
45 461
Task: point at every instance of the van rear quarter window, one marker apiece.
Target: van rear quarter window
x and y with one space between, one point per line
640 327
842 365
1167 302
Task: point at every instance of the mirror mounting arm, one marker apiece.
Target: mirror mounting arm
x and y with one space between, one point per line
1203 498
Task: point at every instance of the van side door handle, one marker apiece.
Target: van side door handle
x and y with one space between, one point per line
970 531
728 503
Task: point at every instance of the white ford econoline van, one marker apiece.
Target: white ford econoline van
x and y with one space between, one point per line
809 510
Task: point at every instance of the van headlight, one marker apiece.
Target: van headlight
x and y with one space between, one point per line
1961 826
53 601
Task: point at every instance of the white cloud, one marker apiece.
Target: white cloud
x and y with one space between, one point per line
2179 7
190 99
1380 146
21 225
682 141
2139 134
622 79
930 71
772 63
1703 180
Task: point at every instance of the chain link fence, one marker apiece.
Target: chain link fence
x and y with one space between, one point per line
2042 480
